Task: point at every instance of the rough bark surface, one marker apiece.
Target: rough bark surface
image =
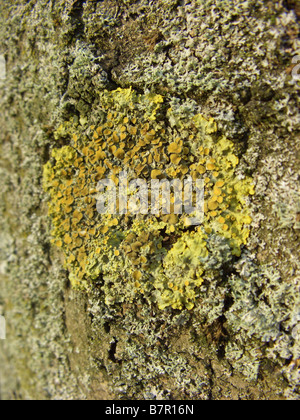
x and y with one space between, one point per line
232 59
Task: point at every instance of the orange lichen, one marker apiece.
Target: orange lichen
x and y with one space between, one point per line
143 254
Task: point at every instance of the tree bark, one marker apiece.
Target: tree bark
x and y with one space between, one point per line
237 62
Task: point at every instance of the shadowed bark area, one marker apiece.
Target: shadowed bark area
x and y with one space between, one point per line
230 60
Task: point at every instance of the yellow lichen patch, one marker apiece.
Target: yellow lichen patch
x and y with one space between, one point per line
210 166
174 148
137 275
119 154
104 230
201 169
160 257
220 184
67 239
213 205
156 173
217 191
175 159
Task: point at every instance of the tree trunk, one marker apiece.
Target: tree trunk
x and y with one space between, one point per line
233 61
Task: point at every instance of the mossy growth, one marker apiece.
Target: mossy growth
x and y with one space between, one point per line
158 256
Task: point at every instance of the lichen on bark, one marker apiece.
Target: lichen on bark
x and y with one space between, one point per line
230 61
